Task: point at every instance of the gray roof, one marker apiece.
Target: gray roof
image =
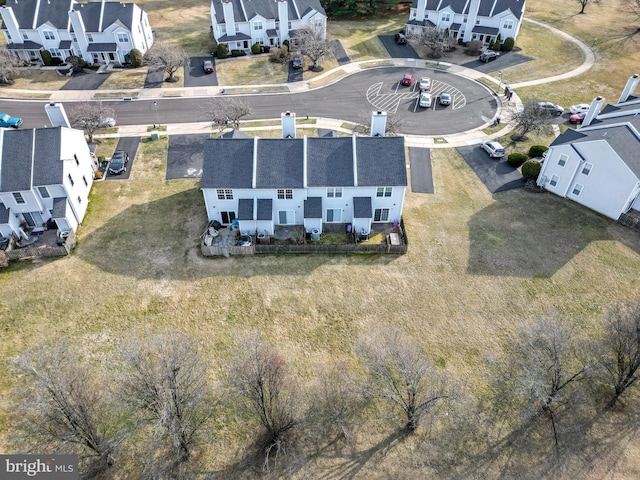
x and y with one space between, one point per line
267 9
102 47
245 209
65 45
52 11
59 207
113 12
313 207
265 209
486 6
234 134
28 45
330 162
17 162
381 161
362 207
4 213
228 163
485 30
280 163
233 38
48 168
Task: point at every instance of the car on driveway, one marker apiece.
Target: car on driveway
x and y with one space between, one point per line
488 56
401 39
494 149
407 80
445 99
297 62
580 108
7 120
425 83
577 117
207 66
119 162
551 108
425 100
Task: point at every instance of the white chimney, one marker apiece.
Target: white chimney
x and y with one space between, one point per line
101 16
81 33
594 110
229 20
288 125
11 23
283 18
474 6
378 123
420 8
629 88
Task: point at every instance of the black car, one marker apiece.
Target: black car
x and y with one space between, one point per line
488 56
401 39
118 162
297 62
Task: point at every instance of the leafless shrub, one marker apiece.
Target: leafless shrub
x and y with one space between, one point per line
227 112
90 116
169 58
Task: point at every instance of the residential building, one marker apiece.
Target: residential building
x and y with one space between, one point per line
45 177
99 32
468 20
239 24
598 164
262 183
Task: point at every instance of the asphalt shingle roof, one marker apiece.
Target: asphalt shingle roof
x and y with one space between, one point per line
113 12
52 11
59 207
313 207
48 167
228 163
17 165
486 6
245 209
381 161
362 207
4 213
330 162
267 9
280 163
102 47
265 209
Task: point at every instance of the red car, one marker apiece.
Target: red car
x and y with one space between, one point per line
207 66
577 117
407 80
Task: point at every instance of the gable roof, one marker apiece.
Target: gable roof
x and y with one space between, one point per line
113 12
228 163
17 160
53 11
330 162
48 168
381 161
280 163
267 9
487 8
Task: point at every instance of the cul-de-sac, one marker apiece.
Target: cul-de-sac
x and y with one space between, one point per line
263 239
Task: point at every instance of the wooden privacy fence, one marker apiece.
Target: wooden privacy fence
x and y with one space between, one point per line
333 248
42 251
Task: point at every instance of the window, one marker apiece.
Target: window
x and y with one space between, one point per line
289 25
75 157
258 26
17 196
224 194
446 17
74 38
508 24
89 38
554 180
44 193
477 22
384 191
381 215
55 52
70 179
227 217
577 189
334 215
8 36
86 184
139 29
48 35
223 29
25 36
334 192
79 199
586 170
562 161
285 193
123 38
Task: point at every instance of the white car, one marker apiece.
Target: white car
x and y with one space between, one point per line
494 149
425 100
425 83
579 108
107 122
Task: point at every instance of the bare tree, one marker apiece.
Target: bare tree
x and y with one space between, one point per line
60 408
400 373
530 118
170 59
260 377
392 127
279 54
8 66
620 348
584 3
312 45
227 112
90 116
633 8
431 38
164 384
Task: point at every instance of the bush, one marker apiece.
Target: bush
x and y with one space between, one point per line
497 45
491 44
474 47
97 175
222 51
46 57
255 48
279 54
508 44
55 61
516 159
286 44
101 159
531 169
238 53
76 62
537 150
136 58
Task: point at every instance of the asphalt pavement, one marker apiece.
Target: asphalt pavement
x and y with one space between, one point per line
129 145
185 156
496 173
339 52
395 50
421 175
85 81
195 76
505 60
154 78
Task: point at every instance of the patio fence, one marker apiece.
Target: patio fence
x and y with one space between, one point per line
34 251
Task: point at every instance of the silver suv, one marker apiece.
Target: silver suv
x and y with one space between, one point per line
494 149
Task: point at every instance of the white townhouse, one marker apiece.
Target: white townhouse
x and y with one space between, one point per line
99 32
45 176
468 20
241 23
598 164
263 183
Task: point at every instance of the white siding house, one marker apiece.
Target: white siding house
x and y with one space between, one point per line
45 176
468 20
99 32
598 164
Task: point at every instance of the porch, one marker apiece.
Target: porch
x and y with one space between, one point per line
41 243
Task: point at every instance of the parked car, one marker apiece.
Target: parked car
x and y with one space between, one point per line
297 62
207 66
425 83
119 162
7 120
407 80
488 56
401 39
106 122
580 108
494 149
577 117
445 99
425 100
552 108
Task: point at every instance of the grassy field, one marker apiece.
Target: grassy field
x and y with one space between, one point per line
127 79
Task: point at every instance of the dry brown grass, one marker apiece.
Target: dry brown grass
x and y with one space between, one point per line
38 80
127 79
251 71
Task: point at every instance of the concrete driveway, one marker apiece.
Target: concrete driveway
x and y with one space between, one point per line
186 156
505 60
194 75
85 81
395 50
129 145
496 174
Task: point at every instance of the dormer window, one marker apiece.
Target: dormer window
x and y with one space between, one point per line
48 35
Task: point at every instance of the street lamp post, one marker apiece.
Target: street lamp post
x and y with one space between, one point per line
155 105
